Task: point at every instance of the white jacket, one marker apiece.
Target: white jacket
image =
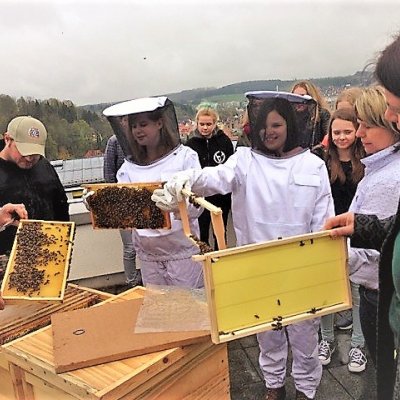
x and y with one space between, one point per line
271 197
377 193
163 244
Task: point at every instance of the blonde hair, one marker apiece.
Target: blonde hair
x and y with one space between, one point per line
209 112
371 107
350 95
312 91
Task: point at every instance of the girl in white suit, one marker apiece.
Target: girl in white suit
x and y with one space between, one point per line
147 130
278 189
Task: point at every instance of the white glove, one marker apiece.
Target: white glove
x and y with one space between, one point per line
175 185
85 195
164 200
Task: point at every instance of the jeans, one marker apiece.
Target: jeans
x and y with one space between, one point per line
357 337
132 275
368 315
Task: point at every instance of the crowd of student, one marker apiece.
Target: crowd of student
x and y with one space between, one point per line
298 165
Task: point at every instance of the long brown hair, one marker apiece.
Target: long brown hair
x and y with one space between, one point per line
315 93
357 151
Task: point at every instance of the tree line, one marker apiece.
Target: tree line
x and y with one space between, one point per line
72 131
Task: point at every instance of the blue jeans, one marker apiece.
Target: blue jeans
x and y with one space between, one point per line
357 337
132 275
368 316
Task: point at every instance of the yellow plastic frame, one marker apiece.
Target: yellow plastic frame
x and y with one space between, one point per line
265 286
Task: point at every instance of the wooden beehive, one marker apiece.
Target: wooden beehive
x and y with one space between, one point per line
39 261
194 372
126 206
268 285
19 319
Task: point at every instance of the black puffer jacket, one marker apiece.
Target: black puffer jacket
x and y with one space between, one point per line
212 152
39 188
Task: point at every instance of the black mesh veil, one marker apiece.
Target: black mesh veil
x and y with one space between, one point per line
121 115
300 112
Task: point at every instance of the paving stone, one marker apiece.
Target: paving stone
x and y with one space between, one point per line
337 382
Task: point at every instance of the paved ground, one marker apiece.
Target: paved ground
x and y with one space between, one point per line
337 382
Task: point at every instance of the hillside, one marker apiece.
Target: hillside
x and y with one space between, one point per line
236 91
187 99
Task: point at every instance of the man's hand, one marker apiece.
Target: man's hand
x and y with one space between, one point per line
12 213
341 225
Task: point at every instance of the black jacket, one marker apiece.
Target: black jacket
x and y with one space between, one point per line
372 233
39 188
212 152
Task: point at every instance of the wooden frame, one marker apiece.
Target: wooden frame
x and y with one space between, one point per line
56 272
151 186
265 286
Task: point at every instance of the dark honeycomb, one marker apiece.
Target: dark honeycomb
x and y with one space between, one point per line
125 207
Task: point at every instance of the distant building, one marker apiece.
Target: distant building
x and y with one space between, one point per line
75 173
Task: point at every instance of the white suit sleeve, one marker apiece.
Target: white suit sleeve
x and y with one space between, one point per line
215 180
324 207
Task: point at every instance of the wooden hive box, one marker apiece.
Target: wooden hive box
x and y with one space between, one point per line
126 206
18 320
43 248
195 372
265 286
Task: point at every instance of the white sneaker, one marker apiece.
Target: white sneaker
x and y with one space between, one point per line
325 351
357 360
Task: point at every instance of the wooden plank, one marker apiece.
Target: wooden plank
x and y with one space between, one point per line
205 377
83 338
17 320
6 383
268 285
17 375
153 374
43 390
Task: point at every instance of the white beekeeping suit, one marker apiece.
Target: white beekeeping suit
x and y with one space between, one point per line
276 192
165 255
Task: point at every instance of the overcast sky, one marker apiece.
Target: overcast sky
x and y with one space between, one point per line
96 51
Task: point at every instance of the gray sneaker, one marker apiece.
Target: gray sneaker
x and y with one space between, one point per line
357 360
325 351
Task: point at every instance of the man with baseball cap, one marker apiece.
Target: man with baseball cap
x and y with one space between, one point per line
27 177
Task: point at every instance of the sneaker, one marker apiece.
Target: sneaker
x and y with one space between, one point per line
344 320
357 360
301 396
276 394
325 351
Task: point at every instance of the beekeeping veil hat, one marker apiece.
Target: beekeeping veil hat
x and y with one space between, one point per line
299 113
121 115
